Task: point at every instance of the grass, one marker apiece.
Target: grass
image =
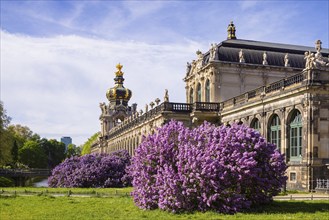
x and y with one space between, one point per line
122 207
34 190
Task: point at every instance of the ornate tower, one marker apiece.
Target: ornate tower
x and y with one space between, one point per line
117 110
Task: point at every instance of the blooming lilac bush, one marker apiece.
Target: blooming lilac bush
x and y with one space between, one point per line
226 169
92 170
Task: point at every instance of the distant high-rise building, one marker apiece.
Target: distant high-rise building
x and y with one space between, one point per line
66 141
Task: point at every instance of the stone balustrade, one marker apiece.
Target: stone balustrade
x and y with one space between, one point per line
244 98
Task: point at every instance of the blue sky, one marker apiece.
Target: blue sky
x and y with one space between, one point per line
58 57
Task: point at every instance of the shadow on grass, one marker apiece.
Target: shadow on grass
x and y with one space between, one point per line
291 207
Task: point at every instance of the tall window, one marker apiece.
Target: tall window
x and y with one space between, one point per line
207 91
255 124
199 93
295 138
191 95
275 131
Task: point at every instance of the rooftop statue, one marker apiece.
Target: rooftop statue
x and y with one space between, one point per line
241 56
265 58
166 96
103 107
286 60
213 52
231 31
319 61
188 68
199 62
310 60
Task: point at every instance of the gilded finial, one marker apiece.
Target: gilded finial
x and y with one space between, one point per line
119 72
231 31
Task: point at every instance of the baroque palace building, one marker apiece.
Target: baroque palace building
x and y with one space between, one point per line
278 89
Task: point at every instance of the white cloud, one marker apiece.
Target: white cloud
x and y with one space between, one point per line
248 4
54 85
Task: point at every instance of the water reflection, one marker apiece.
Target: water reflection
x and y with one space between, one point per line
41 183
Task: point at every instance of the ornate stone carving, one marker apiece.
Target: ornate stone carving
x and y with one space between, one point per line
241 57
310 60
103 108
315 60
319 61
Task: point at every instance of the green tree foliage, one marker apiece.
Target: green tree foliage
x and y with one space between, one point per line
86 147
33 155
14 152
22 134
54 151
6 182
5 137
72 150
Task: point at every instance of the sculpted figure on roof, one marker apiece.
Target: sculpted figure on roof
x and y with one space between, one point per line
286 60
188 68
241 56
319 61
213 52
310 60
166 96
265 58
103 107
199 63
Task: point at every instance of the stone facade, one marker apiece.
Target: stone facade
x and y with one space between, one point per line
277 89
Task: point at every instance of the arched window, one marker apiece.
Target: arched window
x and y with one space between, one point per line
207 91
191 95
295 136
275 131
255 124
199 93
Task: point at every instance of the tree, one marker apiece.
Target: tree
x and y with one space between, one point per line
33 155
72 150
22 134
5 137
86 147
14 152
54 151
4 119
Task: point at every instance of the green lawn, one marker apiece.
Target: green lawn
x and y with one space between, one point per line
122 207
34 190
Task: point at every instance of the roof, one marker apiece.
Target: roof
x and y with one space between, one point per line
253 51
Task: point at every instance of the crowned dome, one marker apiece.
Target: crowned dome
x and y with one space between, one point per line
119 92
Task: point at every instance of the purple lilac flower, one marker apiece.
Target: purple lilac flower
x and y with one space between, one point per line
92 170
226 169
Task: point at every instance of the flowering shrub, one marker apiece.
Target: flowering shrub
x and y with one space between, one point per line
226 169
92 170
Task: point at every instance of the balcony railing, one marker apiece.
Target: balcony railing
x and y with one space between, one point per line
205 106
